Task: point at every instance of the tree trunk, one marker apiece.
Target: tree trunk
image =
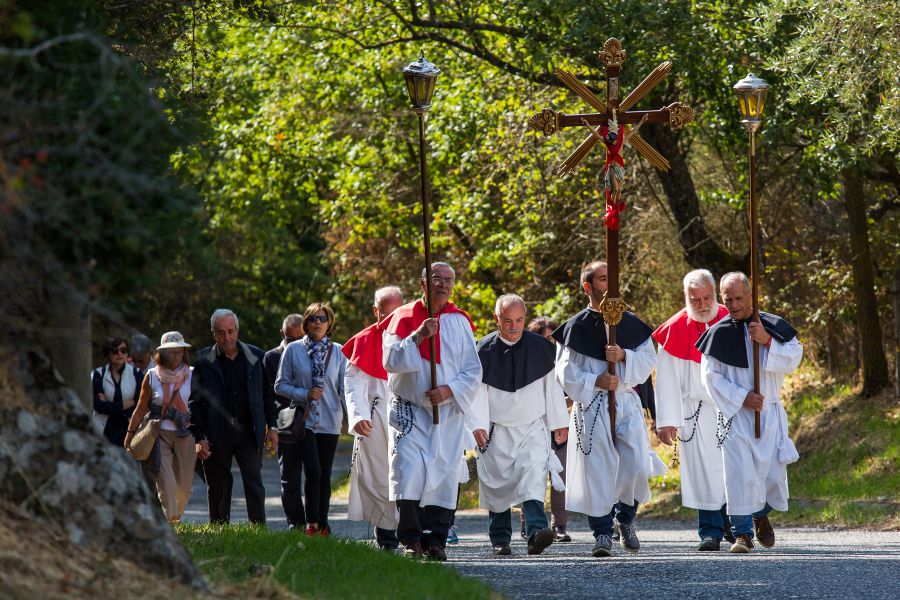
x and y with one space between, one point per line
871 348
68 336
699 248
896 291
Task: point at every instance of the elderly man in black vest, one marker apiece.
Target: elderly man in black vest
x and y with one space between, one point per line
231 408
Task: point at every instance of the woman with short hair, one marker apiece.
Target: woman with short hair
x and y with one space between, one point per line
165 393
311 378
114 388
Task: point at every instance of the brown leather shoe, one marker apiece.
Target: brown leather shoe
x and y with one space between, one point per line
413 550
435 552
742 545
765 535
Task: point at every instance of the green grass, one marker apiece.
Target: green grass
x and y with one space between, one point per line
316 567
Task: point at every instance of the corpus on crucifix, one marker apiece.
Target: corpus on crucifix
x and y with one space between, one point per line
614 125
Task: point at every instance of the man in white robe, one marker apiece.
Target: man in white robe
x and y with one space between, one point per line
755 469
427 463
525 403
686 413
605 481
366 389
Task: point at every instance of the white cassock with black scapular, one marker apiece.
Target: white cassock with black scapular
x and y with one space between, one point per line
755 469
525 403
598 473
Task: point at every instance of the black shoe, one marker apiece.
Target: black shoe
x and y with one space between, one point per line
502 550
602 547
709 545
627 536
560 535
729 537
540 540
435 552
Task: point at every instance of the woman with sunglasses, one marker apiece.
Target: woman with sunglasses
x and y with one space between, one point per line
311 377
115 386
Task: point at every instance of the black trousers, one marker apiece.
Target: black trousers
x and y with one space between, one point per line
415 520
238 443
314 454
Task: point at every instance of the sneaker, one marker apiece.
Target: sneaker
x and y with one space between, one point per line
413 550
560 535
709 545
765 535
602 547
312 529
742 544
502 550
540 540
627 536
452 536
325 531
435 552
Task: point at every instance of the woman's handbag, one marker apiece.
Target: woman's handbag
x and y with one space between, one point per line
144 438
291 427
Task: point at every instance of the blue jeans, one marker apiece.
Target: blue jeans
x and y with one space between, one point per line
500 530
604 525
743 524
711 523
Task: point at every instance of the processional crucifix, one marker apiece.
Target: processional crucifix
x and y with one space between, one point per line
614 121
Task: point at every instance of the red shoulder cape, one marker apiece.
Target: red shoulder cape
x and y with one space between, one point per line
364 350
679 334
408 317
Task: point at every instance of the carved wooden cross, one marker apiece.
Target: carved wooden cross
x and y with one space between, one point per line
613 114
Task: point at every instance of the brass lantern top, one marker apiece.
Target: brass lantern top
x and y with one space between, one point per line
751 91
420 76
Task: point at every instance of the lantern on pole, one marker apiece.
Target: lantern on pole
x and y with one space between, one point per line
421 77
751 92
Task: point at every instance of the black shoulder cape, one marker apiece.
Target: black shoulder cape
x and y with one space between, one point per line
724 341
585 333
512 367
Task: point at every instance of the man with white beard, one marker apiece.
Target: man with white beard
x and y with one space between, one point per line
367 398
755 469
684 411
525 404
427 462
605 481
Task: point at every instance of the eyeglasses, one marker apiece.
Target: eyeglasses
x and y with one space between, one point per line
121 350
445 280
318 319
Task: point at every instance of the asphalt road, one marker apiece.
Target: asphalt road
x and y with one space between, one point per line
805 562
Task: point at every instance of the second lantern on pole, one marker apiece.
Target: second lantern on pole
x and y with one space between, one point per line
421 77
751 91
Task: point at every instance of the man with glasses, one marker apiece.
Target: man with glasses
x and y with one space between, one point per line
427 462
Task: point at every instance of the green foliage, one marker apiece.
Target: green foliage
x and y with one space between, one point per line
317 567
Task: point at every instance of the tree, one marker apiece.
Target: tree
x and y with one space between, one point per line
841 57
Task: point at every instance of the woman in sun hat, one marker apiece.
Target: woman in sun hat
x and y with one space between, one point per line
165 392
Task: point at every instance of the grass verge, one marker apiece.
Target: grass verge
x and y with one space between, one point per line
317 567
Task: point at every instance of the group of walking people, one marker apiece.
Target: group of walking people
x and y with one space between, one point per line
523 397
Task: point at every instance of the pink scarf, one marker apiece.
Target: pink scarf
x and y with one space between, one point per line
173 380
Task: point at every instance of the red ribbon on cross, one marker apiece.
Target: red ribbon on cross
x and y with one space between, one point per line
613 210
